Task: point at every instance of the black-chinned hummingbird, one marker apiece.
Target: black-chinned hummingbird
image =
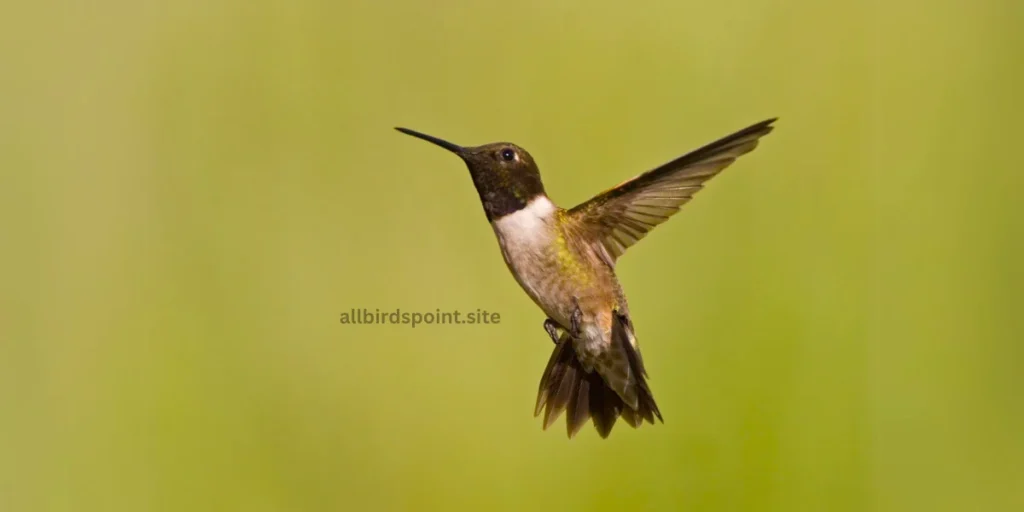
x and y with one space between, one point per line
565 261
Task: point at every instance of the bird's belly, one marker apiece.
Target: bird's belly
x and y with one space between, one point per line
542 262
537 274
542 275
554 287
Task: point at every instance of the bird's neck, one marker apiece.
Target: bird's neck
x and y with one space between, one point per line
534 216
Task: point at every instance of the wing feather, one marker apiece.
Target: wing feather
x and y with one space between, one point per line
625 214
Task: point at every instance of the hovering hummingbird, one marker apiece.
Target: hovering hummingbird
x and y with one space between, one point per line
565 261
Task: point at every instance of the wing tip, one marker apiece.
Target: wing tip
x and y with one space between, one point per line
759 129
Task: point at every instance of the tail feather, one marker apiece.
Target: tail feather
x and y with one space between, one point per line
567 386
579 405
646 408
605 405
563 378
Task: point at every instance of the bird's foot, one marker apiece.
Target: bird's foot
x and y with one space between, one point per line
552 328
576 320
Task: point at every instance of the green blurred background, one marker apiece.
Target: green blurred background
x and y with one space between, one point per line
191 194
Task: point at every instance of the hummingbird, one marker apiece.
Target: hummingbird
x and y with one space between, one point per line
565 261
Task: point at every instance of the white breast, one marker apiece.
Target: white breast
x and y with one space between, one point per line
526 238
528 226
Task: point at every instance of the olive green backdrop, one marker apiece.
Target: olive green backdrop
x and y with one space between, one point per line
192 193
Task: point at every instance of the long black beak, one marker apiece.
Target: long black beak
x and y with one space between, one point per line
440 142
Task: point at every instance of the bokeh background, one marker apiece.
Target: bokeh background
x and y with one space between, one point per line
193 192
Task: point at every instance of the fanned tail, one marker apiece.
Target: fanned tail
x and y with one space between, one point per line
567 387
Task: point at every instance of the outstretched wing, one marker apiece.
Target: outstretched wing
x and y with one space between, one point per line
623 215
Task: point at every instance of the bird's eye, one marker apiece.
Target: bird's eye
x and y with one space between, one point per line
508 155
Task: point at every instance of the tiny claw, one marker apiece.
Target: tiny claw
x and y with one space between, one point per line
552 328
577 319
